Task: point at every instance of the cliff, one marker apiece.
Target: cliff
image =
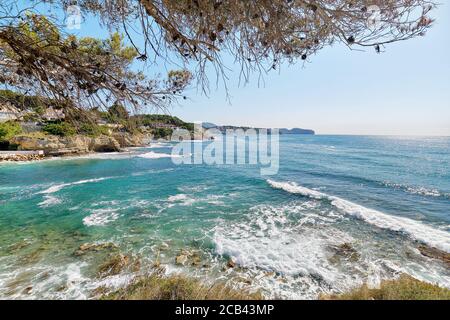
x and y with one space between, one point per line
209 125
296 131
77 144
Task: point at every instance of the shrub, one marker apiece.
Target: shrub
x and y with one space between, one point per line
93 130
403 288
176 287
21 101
9 129
60 129
162 133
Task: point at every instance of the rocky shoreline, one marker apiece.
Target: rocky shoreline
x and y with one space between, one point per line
13 157
56 146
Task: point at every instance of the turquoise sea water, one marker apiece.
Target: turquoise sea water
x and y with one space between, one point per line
382 195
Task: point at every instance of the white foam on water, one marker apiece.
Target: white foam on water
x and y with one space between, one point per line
158 145
177 197
49 201
58 187
183 199
154 155
45 282
423 191
268 241
101 217
414 229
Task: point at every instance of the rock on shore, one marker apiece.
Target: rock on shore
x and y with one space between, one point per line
20 157
77 144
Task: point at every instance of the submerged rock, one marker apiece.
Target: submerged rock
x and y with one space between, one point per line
117 263
181 259
87 247
231 263
434 253
344 251
192 258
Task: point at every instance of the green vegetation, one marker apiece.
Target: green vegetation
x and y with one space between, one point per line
161 133
23 102
86 121
404 288
150 119
176 287
60 129
9 129
93 130
118 111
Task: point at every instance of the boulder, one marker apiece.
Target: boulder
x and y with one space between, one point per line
126 139
435 253
181 259
77 144
87 247
104 144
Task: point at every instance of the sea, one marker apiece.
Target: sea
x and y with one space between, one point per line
341 211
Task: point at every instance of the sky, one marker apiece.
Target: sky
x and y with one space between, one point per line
403 91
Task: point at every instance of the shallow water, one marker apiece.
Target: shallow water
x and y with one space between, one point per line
382 195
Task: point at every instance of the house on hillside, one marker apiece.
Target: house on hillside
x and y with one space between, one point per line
8 112
157 125
52 114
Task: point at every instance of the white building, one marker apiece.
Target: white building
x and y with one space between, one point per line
52 114
8 112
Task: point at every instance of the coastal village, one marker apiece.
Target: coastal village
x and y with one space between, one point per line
32 128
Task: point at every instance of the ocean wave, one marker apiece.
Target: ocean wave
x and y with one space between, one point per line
48 201
423 191
158 145
154 155
279 252
414 229
101 217
58 187
186 200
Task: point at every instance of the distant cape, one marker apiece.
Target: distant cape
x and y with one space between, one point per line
296 131
209 125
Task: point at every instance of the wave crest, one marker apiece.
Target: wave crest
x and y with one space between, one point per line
414 229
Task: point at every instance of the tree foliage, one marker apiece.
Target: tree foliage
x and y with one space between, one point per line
260 34
8 130
36 58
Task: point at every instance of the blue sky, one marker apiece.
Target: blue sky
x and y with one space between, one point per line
403 91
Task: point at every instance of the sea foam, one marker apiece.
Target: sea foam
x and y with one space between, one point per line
58 187
154 155
414 229
101 217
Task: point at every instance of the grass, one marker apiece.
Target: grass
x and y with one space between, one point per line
403 288
177 287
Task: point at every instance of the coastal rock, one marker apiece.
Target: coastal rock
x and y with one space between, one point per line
181 259
59 146
114 265
231 263
434 253
20 157
104 144
344 251
126 139
86 247
189 257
